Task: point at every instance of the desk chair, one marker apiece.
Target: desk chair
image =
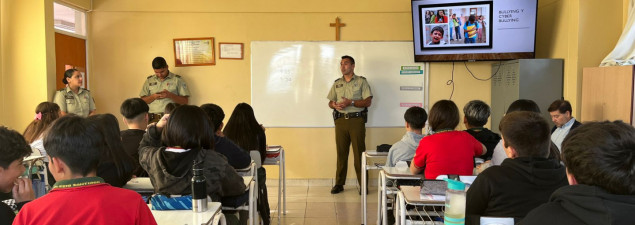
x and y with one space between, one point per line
250 176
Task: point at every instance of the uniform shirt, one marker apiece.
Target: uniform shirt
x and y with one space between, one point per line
86 201
356 89
80 104
173 83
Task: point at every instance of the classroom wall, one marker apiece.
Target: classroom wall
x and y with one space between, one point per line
582 33
28 59
126 35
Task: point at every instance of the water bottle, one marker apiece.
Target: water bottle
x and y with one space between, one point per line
454 203
199 192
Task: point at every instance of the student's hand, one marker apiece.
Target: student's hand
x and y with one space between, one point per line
23 190
163 121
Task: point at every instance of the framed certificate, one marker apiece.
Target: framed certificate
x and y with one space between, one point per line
194 52
230 50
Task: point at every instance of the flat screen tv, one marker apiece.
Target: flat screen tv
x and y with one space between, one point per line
472 30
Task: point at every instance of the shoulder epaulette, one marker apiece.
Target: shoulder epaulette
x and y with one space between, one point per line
337 79
362 77
178 76
87 90
62 89
150 76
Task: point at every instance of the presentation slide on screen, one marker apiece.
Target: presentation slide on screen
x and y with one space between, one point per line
472 27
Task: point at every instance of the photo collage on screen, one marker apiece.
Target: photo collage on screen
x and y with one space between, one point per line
456 26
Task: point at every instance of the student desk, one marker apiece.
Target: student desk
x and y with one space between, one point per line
141 185
411 195
213 216
365 167
392 173
275 156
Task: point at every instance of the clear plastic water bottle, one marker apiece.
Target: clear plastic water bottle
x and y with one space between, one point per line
199 191
454 203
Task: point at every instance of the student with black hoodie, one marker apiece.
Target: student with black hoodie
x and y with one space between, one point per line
600 161
524 180
476 114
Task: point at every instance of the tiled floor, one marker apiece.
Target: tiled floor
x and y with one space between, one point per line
308 205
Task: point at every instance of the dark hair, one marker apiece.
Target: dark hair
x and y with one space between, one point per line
169 108
159 63
523 105
114 151
76 141
12 147
243 128
476 113
350 58
215 113
602 154
68 74
440 10
133 108
416 117
437 28
189 128
472 18
561 105
443 115
527 132
50 112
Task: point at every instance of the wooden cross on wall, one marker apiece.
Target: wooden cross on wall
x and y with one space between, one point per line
337 26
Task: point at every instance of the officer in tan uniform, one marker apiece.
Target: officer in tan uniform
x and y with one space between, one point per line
162 88
349 97
73 98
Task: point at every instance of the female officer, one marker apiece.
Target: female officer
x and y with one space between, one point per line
74 99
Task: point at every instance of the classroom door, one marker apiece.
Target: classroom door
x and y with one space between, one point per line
70 52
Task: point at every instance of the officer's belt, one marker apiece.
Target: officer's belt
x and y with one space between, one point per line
349 115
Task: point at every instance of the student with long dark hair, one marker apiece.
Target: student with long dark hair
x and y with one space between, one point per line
115 166
45 114
170 147
243 128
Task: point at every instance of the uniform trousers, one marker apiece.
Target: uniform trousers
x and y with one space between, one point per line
347 132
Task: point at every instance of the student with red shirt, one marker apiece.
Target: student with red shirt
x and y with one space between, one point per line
74 145
446 151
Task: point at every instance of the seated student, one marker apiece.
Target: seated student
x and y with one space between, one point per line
476 113
13 149
135 116
404 149
236 156
169 108
600 160
115 166
169 148
243 128
523 181
446 151
519 105
45 114
74 146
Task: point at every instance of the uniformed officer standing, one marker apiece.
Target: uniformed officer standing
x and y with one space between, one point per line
350 95
73 98
162 88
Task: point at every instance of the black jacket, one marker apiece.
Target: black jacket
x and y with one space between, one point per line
514 188
584 204
130 139
6 213
236 156
575 124
174 177
487 138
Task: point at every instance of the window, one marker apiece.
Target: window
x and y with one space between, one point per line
69 19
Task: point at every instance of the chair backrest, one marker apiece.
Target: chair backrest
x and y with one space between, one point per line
255 156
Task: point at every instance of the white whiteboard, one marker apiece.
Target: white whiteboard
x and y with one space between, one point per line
290 81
